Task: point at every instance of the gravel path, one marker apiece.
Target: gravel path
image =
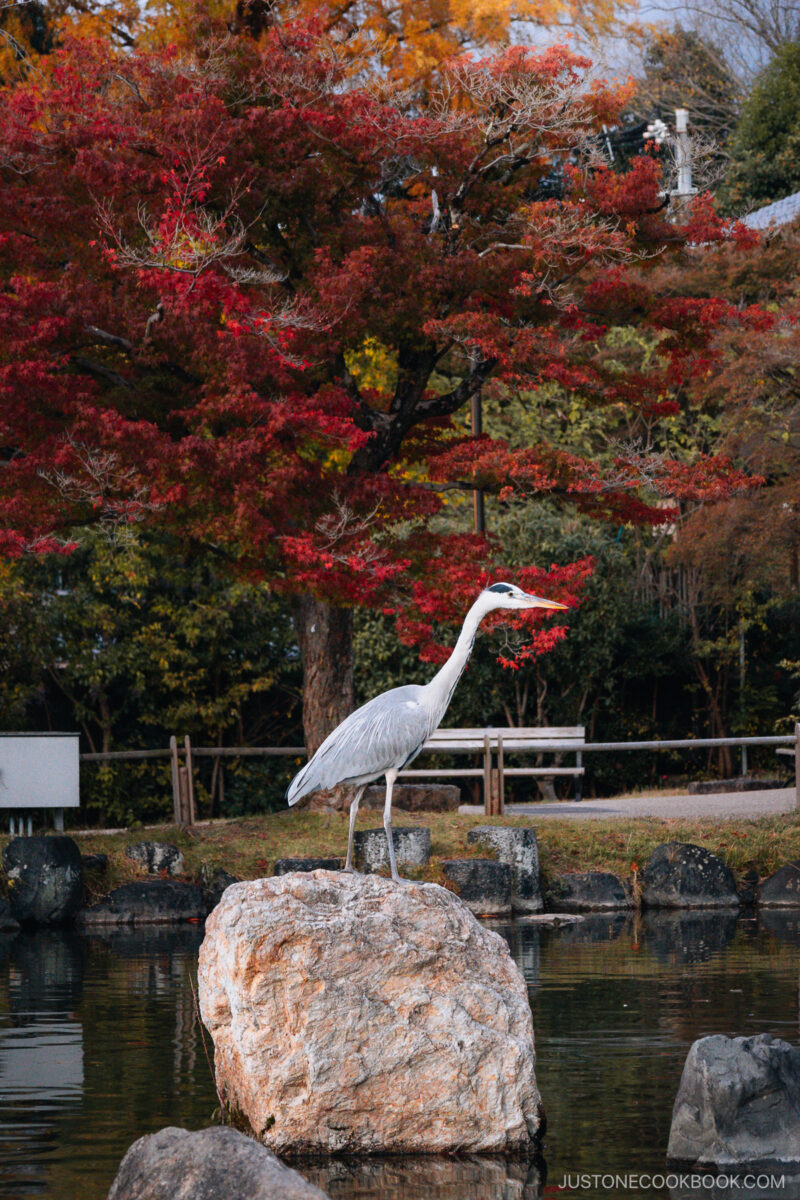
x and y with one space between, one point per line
726 805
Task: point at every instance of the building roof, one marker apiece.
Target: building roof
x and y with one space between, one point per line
779 213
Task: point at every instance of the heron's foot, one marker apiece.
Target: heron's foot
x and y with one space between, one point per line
400 879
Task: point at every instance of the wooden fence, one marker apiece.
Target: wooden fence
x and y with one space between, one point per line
182 758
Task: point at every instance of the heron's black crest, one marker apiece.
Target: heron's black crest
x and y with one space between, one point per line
499 587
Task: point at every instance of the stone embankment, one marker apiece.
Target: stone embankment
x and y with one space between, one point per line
353 1015
45 880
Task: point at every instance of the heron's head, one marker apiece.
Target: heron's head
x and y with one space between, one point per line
508 595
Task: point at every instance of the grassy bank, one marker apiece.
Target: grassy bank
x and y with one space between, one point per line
248 847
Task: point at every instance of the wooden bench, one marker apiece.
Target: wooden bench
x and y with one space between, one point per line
494 745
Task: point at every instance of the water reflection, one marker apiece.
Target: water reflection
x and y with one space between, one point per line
524 941
100 1043
597 927
761 1185
783 924
688 937
429 1176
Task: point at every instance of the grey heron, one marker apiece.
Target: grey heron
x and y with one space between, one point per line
387 733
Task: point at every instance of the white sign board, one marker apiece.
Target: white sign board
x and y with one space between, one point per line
39 770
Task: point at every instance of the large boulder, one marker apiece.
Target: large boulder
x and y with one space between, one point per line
588 891
781 890
415 797
151 902
45 879
175 1164
353 1014
412 847
738 1104
680 875
158 858
482 883
519 849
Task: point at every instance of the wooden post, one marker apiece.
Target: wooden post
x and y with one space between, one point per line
501 783
191 814
176 781
183 789
578 778
487 775
797 765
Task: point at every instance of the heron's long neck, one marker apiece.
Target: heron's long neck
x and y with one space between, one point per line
444 681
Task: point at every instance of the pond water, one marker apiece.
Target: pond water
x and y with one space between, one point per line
100 1043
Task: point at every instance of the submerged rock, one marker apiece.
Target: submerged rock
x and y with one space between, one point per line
350 1013
588 891
680 875
519 849
482 883
159 858
738 1104
412 847
210 1164
152 902
45 879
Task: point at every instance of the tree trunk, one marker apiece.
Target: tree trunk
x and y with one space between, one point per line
325 637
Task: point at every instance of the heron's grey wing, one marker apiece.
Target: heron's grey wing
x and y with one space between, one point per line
384 733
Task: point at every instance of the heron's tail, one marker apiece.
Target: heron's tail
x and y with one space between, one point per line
301 785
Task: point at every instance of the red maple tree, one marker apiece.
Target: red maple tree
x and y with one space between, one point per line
198 248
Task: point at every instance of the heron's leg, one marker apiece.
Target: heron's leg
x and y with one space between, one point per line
387 823
348 866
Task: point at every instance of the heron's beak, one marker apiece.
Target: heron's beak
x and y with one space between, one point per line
539 602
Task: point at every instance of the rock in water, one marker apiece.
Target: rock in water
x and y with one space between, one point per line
353 1014
412 847
681 875
483 884
45 879
8 923
738 1104
175 1164
519 848
151 902
588 891
781 890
